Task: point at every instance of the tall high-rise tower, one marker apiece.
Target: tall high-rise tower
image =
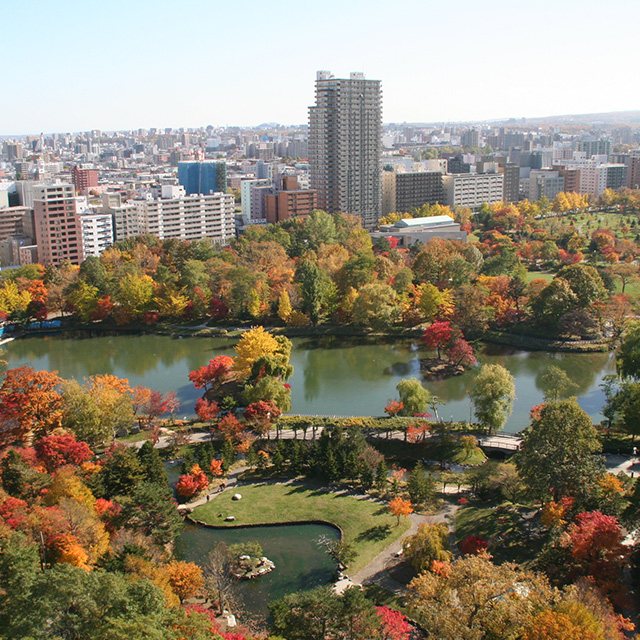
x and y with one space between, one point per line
345 146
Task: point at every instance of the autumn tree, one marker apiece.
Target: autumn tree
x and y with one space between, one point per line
252 345
185 578
437 336
213 374
430 543
492 393
30 404
59 449
477 599
400 507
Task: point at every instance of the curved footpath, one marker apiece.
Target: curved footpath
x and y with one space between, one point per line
376 571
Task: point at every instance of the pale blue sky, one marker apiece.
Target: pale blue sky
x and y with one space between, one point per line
74 66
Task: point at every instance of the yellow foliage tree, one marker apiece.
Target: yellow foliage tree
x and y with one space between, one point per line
433 302
67 549
252 345
12 299
66 484
138 567
284 305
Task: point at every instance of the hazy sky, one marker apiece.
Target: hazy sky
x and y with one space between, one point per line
115 64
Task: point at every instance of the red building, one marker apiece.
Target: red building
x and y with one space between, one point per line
290 202
84 179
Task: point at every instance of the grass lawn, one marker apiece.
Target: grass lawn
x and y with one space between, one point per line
508 529
462 456
367 526
538 275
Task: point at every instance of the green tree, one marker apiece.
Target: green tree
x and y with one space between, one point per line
152 465
585 282
557 385
312 283
376 306
557 457
414 396
269 388
492 393
420 485
628 362
151 510
120 474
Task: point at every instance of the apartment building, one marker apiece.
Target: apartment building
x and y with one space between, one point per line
473 189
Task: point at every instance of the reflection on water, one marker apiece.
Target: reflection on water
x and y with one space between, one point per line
332 375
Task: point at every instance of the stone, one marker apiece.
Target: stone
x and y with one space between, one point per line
230 518
236 496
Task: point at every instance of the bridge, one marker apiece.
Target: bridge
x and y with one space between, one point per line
500 442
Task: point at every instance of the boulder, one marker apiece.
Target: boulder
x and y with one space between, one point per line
230 518
236 496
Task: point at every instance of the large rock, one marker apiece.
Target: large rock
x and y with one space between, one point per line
236 496
229 518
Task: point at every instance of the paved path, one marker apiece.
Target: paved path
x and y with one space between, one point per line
376 572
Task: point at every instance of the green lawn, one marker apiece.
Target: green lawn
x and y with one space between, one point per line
508 530
367 526
538 275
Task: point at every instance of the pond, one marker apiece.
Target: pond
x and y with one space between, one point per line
332 375
301 563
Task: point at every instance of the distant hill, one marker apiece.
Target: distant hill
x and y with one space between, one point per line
611 117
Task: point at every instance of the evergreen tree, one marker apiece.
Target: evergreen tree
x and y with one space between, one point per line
152 466
420 485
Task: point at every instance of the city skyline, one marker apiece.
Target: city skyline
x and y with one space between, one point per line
144 64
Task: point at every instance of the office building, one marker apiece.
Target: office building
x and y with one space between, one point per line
204 178
595 147
596 176
252 204
405 191
16 220
545 182
345 146
633 177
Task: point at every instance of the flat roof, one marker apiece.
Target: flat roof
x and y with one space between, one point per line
421 222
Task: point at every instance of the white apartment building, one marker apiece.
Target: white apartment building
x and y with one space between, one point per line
473 189
188 218
249 204
97 232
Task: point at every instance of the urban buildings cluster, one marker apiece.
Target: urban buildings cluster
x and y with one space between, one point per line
70 196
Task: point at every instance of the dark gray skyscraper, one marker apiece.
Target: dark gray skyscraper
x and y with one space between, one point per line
345 146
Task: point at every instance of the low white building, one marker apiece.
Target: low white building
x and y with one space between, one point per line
408 231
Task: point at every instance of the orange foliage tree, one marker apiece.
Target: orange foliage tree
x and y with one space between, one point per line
400 507
185 578
30 404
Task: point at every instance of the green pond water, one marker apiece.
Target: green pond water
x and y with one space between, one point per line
332 375
300 561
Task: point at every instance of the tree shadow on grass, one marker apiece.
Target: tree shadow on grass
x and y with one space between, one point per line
384 510
374 534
